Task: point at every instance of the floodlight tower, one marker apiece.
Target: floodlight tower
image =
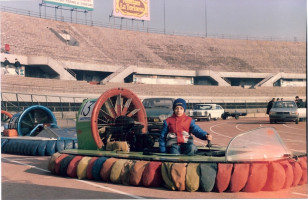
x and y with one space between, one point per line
205 19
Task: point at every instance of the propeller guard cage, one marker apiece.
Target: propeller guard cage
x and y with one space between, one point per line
116 109
32 120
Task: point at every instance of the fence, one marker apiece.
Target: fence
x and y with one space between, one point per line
17 102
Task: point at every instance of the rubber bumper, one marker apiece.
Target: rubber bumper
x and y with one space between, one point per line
209 177
36 147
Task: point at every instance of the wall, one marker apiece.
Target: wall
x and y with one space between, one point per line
285 83
154 79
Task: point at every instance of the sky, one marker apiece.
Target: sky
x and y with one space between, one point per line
252 18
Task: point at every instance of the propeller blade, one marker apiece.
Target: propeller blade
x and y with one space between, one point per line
104 120
31 117
110 109
126 106
133 112
44 120
118 105
106 115
102 125
26 123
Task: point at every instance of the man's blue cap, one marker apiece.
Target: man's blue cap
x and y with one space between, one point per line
179 102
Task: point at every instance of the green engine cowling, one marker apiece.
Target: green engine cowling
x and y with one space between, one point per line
83 125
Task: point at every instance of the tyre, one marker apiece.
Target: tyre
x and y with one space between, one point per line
236 116
224 116
59 145
68 144
3 142
27 149
41 148
50 147
64 165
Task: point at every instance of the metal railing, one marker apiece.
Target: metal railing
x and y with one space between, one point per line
67 68
64 104
17 102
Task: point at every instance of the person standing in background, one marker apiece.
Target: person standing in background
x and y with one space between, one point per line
298 101
6 64
270 105
17 66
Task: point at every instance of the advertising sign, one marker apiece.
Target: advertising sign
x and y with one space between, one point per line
133 9
82 4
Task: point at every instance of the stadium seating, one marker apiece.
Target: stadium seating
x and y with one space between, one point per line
107 47
32 36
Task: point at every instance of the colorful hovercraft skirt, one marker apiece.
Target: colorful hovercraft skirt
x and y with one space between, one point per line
208 176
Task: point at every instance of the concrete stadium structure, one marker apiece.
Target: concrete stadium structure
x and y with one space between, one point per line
197 69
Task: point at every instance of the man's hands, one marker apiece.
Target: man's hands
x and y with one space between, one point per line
209 137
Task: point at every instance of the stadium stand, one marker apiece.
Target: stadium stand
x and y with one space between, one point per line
110 50
32 36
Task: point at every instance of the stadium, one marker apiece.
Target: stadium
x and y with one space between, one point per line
82 61
65 65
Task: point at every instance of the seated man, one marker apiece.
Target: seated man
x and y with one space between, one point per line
175 136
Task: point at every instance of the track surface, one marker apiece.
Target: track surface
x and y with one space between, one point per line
27 177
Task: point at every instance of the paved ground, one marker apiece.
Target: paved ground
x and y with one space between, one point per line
27 177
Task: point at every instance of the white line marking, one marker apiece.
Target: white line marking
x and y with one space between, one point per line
300 194
296 141
293 127
218 133
87 182
239 128
279 131
14 161
110 189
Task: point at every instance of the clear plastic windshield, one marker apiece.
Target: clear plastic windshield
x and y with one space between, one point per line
257 145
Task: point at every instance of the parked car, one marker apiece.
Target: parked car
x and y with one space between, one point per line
206 111
302 108
235 114
157 110
284 111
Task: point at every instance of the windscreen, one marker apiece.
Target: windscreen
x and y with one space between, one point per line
202 107
158 103
284 104
260 144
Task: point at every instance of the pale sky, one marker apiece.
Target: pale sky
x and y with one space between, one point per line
255 18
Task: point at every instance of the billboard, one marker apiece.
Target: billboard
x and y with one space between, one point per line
82 4
134 9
